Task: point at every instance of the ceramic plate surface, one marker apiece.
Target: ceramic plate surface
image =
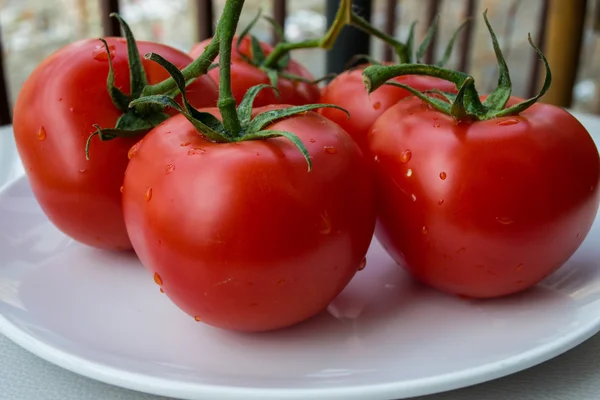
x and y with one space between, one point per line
100 314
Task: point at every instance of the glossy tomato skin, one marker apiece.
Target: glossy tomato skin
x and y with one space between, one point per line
54 115
240 235
347 90
244 76
482 209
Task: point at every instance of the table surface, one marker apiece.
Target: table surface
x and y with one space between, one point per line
23 376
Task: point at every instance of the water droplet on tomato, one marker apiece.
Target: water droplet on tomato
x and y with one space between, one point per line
519 267
405 156
330 149
100 53
313 140
41 134
409 172
414 197
169 168
440 202
196 151
123 40
71 109
443 175
376 105
121 189
162 290
425 230
82 170
504 220
148 194
281 281
157 279
461 250
363 264
185 144
134 149
376 158
60 99
197 318
436 125
592 188
508 122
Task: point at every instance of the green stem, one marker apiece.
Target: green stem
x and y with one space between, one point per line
400 48
342 18
375 76
226 29
196 68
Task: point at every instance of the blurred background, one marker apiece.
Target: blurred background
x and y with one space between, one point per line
568 30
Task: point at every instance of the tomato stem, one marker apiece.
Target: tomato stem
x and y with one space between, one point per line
226 28
467 104
400 48
343 17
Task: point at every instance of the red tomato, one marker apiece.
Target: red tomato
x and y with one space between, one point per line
54 116
347 90
240 235
487 208
244 76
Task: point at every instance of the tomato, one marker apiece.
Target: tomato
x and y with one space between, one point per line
54 116
240 235
347 90
482 209
245 75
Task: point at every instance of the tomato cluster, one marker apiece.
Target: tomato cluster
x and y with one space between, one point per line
255 215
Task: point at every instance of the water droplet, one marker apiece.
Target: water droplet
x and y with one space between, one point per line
196 151
158 279
257 153
504 220
122 40
71 109
362 264
414 197
436 125
461 250
148 194
519 267
162 290
592 188
425 230
121 189
507 122
197 318
313 140
330 149
376 158
134 149
409 172
443 175
60 99
185 144
169 168
405 156
41 135
376 105
100 53
325 228
281 281
440 202
82 170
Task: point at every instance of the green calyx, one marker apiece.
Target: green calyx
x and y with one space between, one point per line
466 104
215 130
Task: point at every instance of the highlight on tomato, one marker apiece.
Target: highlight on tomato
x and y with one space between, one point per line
249 219
84 90
480 198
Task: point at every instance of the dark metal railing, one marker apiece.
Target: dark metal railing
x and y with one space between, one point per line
351 41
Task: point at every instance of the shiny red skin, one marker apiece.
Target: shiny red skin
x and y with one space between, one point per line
66 95
348 91
244 76
240 235
483 209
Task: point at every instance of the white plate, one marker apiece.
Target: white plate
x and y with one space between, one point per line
99 314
